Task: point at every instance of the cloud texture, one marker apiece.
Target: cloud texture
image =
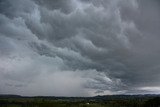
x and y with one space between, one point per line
79 47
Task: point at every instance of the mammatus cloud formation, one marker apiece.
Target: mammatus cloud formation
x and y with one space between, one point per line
79 47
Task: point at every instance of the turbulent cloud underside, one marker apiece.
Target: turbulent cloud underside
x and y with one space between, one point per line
79 47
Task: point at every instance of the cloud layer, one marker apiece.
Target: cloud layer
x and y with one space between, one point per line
79 47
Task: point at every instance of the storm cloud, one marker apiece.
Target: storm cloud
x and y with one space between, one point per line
79 47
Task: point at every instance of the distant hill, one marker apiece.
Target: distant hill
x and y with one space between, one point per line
148 100
104 97
9 96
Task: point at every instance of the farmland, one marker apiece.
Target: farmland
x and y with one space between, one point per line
98 101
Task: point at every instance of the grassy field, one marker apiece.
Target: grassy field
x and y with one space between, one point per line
80 102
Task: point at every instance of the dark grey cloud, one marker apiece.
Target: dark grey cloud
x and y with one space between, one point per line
65 6
86 47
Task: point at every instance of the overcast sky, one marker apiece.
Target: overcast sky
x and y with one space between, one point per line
79 47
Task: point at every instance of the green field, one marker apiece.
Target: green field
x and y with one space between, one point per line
111 101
